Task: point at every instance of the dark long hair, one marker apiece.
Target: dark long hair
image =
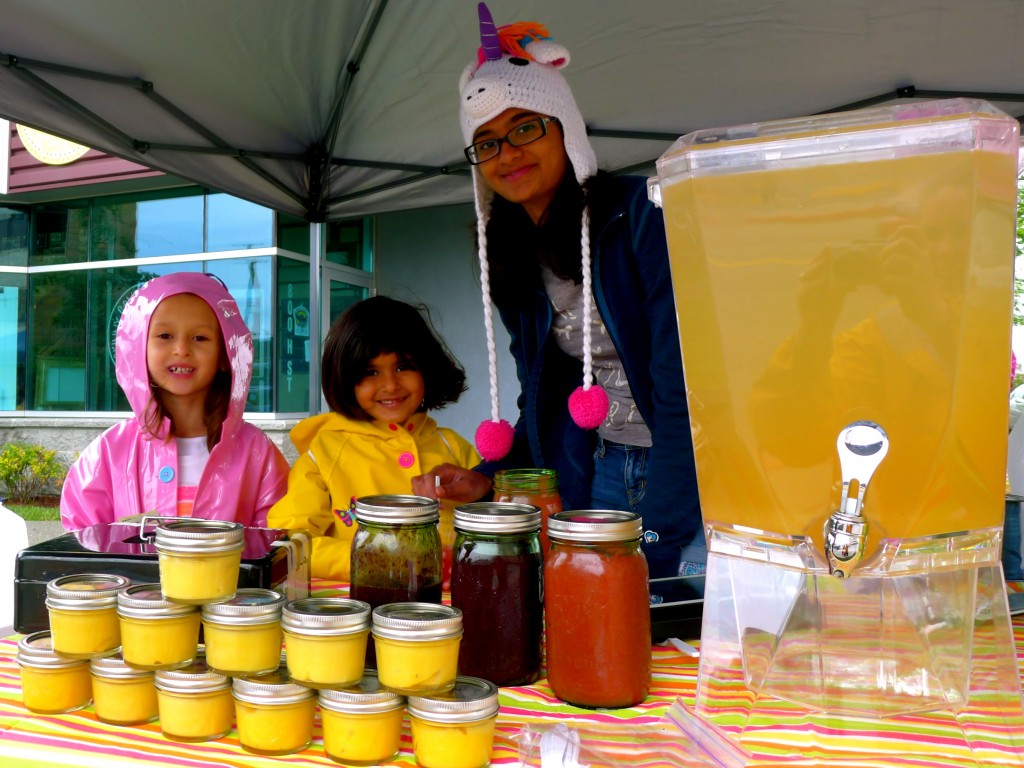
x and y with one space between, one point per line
517 248
381 325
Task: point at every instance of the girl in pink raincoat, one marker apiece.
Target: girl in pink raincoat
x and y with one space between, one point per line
184 360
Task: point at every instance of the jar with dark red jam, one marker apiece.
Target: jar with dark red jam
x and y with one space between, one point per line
497 584
396 551
597 609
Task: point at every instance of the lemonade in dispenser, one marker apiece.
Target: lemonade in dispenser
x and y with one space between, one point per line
843 286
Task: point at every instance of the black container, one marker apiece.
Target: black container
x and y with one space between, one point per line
677 604
119 549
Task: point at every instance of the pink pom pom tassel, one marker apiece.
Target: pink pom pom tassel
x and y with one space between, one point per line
588 407
494 439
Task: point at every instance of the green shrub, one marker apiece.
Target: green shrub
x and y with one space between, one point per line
25 470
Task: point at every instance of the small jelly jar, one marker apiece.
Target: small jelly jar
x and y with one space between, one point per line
122 695
537 487
156 633
243 634
496 583
597 609
455 729
325 640
199 559
195 702
274 715
417 646
51 684
362 725
83 614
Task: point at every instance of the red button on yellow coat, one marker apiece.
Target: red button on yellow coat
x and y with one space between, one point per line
406 460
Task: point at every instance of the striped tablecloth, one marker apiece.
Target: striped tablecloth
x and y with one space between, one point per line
639 736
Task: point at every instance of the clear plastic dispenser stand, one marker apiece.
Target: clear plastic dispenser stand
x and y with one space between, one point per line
830 271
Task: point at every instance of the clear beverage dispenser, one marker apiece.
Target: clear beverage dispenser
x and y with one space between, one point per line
844 289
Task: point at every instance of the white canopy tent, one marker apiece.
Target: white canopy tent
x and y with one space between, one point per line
336 108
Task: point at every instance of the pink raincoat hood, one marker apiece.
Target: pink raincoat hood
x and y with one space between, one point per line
133 331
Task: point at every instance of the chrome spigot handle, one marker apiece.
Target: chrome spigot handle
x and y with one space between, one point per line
861 445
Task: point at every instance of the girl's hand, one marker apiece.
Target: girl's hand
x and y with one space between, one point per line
448 481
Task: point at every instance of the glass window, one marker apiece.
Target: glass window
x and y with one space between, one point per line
13 297
14 225
57 350
250 281
126 227
235 224
292 234
347 244
293 343
60 234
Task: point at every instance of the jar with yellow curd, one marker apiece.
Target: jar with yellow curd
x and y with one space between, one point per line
83 614
325 640
243 634
417 646
122 695
195 702
156 633
199 559
455 729
51 684
362 725
274 715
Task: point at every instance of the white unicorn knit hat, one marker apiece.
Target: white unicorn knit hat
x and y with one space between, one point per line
519 66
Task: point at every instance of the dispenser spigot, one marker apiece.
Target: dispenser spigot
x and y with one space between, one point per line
861 445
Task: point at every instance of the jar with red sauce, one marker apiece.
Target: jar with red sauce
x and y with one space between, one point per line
597 608
537 487
496 583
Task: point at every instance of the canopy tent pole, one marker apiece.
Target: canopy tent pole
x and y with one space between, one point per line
316 243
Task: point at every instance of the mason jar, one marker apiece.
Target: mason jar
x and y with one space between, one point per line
51 684
195 702
496 583
122 694
362 725
274 715
417 646
325 640
156 633
455 729
597 609
199 559
243 634
83 614
534 486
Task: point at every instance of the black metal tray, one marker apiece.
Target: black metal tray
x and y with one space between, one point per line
677 604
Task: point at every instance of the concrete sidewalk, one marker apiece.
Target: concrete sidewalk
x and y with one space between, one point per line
43 530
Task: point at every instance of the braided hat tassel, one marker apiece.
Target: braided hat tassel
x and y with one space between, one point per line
588 404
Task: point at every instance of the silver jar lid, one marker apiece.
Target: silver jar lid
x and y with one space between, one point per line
364 698
497 517
417 621
472 698
196 536
272 688
197 677
115 667
36 650
595 525
146 601
250 605
396 509
85 591
325 616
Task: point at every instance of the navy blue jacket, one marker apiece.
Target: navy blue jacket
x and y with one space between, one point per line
633 293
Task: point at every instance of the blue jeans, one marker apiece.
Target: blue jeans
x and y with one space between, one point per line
620 478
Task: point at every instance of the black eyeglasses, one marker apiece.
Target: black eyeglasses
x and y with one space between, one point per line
524 133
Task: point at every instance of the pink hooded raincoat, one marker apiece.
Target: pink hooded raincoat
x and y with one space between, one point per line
126 471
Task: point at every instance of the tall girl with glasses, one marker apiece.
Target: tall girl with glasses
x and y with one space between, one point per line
576 262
